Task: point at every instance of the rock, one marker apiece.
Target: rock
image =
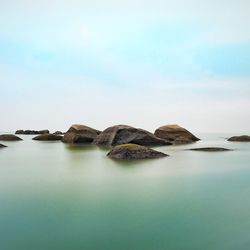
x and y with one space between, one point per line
19 132
48 137
32 132
210 149
9 137
2 146
123 134
58 133
41 132
134 152
175 134
242 138
80 134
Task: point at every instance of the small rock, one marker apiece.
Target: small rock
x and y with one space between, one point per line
2 146
58 133
42 132
242 138
48 137
210 149
19 132
9 137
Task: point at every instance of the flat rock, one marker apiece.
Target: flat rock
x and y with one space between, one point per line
48 137
80 134
241 138
210 149
175 134
2 146
32 132
123 134
9 137
134 152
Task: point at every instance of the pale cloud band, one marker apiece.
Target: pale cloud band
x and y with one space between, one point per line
169 61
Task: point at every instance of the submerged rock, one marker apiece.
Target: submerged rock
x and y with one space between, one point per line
122 134
242 138
9 137
2 146
48 137
134 152
210 149
31 132
175 134
80 134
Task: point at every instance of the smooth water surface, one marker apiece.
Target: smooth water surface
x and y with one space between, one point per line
56 196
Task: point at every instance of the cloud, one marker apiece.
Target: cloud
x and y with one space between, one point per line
223 20
34 100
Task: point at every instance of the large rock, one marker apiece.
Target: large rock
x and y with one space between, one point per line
210 149
122 134
80 134
48 137
175 134
32 132
134 152
242 138
2 146
9 137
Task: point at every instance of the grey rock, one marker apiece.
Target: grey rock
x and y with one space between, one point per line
19 132
175 134
210 149
242 138
122 134
80 134
134 152
2 146
31 132
58 133
9 137
41 132
48 137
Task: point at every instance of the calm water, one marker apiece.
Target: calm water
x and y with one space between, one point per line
54 196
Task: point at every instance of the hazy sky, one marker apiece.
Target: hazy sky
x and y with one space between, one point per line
142 63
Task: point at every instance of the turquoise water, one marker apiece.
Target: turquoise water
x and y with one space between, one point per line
54 196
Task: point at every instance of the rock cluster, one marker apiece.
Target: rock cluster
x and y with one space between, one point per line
31 132
128 142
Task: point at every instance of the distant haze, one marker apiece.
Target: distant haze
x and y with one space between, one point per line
141 63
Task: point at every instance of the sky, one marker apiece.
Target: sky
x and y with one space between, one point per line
141 63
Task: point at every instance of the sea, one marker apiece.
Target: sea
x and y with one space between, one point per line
55 196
